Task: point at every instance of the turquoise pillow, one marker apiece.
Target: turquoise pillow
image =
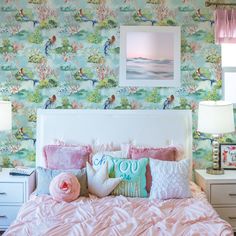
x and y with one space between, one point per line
133 173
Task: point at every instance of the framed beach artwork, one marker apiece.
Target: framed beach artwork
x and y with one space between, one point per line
150 56
228 155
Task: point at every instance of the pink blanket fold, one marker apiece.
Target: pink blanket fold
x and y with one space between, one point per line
119 216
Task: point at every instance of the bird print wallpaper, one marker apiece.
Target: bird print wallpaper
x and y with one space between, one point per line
64 54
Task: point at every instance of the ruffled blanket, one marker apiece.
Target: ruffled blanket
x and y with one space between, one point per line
111 216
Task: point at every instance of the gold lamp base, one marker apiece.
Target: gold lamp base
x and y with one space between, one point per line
212 171
215 169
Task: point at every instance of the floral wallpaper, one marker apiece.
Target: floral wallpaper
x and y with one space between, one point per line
65 54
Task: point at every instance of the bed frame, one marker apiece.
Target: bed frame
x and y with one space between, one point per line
143 127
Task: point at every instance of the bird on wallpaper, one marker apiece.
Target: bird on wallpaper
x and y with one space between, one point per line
144 18
49 103
24 135
25 77
109 102
49 44
202 136
203 77
168 102
108 44
84 77
24 17
202 17
84 18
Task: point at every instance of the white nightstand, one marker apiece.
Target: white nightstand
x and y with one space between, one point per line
221 193
14 191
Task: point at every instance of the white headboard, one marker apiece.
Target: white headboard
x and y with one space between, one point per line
144 127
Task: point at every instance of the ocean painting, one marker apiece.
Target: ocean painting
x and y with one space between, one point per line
149 69
150 56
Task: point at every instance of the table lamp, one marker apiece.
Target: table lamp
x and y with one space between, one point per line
5 117
215 117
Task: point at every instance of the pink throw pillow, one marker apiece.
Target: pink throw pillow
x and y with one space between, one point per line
65 187
66 157
164 154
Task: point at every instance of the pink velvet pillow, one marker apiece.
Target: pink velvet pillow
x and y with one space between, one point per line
66 157
65 187
164 154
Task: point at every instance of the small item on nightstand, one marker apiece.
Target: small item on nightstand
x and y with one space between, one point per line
22 171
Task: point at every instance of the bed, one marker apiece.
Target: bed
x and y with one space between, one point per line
117 215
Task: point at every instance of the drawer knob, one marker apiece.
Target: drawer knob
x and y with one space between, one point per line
232 194
2 193
3 216
232 217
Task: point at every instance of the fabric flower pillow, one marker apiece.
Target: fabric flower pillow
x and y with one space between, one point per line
132 172
65 187
165 154
170 179
66 157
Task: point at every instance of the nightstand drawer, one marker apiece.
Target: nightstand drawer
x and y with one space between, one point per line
228 214
11 193
224 194
7 215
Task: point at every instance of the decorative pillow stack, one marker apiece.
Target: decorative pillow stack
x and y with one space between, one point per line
68 170
132 172
165 154
170 179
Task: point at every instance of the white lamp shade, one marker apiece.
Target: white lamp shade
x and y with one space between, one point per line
5 116
215 117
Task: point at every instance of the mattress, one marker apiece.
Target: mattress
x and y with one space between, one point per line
119 215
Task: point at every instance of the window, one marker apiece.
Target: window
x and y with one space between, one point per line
228 53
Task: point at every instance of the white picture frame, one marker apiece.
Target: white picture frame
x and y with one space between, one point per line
150 56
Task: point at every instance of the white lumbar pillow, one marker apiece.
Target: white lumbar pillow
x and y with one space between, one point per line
170 179
99 182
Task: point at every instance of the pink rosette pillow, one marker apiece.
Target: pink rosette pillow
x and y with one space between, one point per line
64 187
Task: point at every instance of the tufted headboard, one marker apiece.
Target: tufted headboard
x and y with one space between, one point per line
144 127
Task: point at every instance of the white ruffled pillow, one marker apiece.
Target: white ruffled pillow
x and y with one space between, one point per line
99 147
170 179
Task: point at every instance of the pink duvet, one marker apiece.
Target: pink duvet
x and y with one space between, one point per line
121 216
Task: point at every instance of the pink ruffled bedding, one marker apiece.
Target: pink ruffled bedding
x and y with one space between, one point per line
111 216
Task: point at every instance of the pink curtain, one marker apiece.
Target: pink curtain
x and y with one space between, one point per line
225 26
